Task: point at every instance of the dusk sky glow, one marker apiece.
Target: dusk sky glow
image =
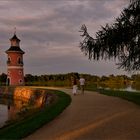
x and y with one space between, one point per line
49 33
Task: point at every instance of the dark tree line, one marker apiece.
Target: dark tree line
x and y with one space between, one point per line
3 78
53 77
66 79
120 40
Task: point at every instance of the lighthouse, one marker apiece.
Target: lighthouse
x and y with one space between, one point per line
15 71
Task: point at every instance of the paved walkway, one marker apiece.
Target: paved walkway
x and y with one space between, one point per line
93 117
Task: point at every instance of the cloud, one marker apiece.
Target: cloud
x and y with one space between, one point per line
49 35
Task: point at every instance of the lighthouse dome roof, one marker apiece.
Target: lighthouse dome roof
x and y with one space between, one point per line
15 38
15 49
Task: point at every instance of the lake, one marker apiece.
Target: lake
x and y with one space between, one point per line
22 102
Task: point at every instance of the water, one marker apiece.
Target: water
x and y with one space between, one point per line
128 88
11 110
23 102
3 114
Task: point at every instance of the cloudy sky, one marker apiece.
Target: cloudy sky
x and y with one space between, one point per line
49 33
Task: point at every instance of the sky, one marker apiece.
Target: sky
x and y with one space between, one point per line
50 37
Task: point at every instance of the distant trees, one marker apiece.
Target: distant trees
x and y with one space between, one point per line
136 78
120 40
3 78
50 80
65 80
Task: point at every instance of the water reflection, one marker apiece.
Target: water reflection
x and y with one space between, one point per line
130 88
20 103
3 114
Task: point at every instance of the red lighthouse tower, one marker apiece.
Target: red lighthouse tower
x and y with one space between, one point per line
15 72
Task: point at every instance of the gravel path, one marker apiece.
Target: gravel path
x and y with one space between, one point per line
93 116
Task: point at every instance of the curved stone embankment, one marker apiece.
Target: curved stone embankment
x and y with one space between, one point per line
27 94
21 100
93 116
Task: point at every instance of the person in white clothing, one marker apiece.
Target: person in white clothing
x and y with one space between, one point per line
82 84
75 88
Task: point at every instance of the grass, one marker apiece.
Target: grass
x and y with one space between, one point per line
28 125
130 96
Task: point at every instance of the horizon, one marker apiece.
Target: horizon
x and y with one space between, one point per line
75 72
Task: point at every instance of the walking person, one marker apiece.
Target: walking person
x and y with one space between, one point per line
75 87
82 84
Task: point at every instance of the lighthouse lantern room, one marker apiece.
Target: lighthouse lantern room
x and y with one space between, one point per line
15 72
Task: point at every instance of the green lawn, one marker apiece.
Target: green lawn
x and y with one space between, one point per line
130 96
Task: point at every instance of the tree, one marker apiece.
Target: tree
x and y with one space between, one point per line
3 78
120 40
29 78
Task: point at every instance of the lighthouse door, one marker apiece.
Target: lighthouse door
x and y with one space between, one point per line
8 81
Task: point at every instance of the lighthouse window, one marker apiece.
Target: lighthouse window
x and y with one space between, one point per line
20 72
9 60
8 72
20 81
19 60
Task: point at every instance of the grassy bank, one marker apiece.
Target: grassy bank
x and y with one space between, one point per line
130 96
28 125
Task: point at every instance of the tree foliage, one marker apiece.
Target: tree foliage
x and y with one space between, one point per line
119 40
3 78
